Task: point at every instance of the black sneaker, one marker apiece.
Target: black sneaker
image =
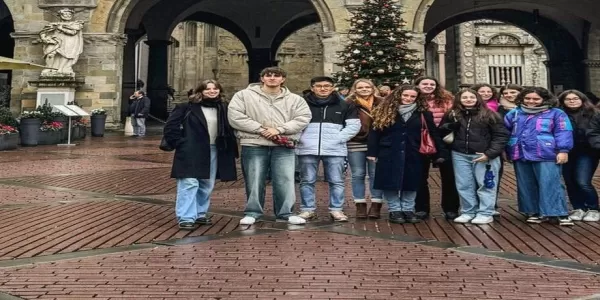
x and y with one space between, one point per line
204 221
422 215
450 215
187 226
411 217
396 217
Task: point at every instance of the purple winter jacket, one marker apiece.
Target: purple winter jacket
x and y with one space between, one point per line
538 137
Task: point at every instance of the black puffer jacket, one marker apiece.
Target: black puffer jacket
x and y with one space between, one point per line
472 136
586 135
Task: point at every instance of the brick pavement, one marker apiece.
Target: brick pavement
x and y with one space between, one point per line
108 195
296 265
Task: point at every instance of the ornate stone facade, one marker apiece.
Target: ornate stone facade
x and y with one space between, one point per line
112 27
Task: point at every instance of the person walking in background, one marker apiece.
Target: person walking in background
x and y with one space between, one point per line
439 102
540 141
579 171
394 143
334 122
384 90
205 149
479 140
139 108
363 95
268 120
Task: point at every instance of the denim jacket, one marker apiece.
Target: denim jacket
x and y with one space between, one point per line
538 137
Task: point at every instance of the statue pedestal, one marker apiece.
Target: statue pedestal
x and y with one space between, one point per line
128 127
56 90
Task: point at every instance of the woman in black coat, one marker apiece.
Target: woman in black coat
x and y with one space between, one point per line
394 143
205 149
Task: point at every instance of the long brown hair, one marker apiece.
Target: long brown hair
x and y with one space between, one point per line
484 115
385 114
197 94
587 109
478 86
439 94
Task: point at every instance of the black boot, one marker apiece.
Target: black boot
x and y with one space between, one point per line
396 217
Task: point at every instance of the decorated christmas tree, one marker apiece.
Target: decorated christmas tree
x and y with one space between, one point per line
378 48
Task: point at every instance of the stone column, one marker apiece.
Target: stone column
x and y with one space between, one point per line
23 95
440 40
258 59
467 54
158 76
592 68
332 43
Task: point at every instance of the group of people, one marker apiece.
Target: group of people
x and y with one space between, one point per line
392 140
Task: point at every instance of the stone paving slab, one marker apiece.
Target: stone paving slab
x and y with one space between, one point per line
11 195
69 166
296 265
52 229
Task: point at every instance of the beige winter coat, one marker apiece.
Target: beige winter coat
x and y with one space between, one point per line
251 109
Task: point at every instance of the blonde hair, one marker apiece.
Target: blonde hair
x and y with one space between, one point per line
352 93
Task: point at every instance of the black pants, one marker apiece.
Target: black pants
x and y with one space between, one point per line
450 200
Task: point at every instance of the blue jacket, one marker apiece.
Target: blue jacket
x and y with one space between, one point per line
334 122
538 137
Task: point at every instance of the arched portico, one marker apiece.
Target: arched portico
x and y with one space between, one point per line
260 35
562 28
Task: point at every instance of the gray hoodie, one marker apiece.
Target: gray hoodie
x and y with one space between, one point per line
251 108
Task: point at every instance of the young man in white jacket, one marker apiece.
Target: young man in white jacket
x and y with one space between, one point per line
268 120
334 122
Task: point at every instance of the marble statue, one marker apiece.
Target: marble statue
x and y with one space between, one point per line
62 44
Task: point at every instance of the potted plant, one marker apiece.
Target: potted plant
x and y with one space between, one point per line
9 137
78 126
49 116
50 133
29 127
98 119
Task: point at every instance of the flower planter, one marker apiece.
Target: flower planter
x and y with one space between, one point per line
49 137
29 131
9 141
65 125
98 123
78 133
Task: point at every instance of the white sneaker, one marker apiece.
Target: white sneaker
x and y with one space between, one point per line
463 219
295 220
247 220
577 215
591 216
482 220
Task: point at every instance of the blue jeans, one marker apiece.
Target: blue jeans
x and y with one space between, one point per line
193 195
358 168
539 190
400 201
334 170
475 198
578 174
257 162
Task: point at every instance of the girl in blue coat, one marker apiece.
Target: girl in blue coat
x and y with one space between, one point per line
540 141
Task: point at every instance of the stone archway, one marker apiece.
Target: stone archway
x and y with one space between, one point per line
565 55
7 47
119 13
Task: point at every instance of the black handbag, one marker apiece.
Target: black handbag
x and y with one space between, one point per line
164 145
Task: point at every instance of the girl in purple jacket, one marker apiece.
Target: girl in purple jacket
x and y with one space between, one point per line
540 141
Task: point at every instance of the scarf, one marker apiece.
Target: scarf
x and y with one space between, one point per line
534 110
366 103
507 104
492 104
224 134
406 110
313 100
